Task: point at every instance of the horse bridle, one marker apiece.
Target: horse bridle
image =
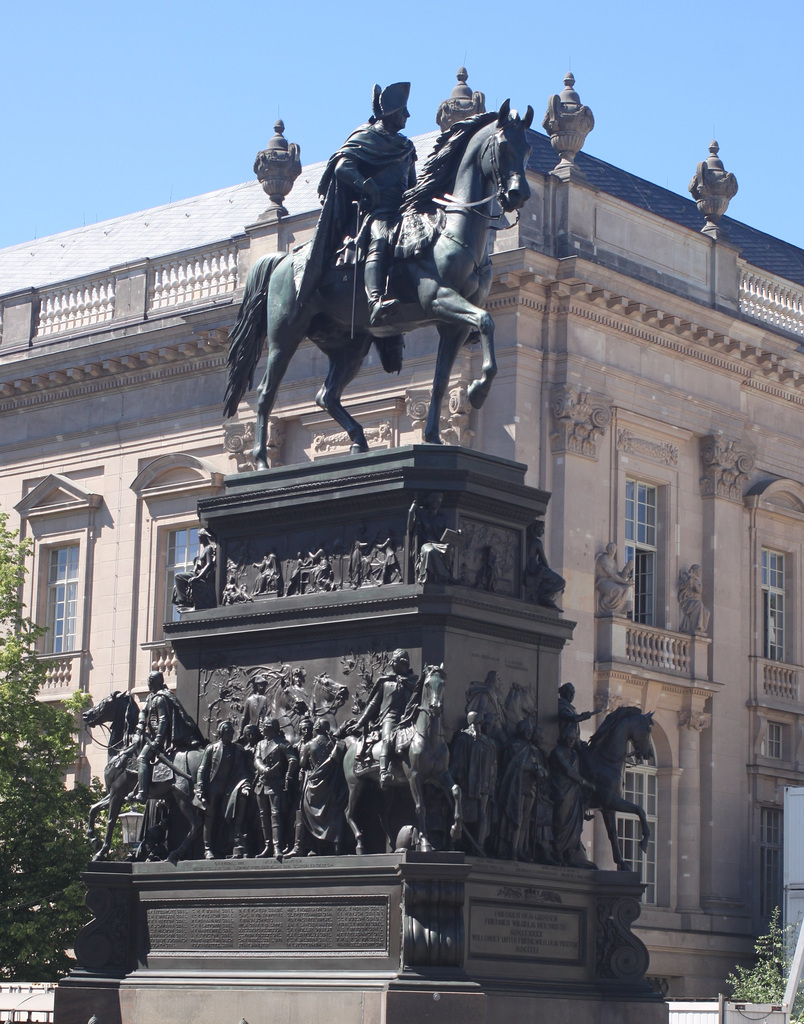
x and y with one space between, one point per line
452 205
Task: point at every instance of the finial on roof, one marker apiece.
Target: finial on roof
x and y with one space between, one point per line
567 122
461 104
713 188
277 167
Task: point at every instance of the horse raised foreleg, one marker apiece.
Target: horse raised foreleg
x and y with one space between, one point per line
115 798
345 359
623 806
417 792
101 805
355 789
451 338
452 308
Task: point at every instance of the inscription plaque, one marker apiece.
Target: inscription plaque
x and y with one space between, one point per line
273 927
515 932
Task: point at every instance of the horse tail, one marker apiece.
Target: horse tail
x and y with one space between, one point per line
248 332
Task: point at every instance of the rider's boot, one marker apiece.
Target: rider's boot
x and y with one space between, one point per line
143 778
276 835
374 276
386 776
267 850
299 845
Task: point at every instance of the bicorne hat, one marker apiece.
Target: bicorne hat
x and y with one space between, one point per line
391 98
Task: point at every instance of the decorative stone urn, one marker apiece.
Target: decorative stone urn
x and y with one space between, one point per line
713 188
567 122
277 167
462 103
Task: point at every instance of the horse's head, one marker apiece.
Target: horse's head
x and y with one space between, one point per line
508 154
325 687
105 711
433 690
640 736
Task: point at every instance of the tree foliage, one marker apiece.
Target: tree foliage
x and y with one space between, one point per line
766 981
42 846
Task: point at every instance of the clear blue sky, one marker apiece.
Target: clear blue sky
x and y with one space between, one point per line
111 108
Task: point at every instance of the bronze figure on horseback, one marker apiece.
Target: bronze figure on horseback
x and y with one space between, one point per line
432 234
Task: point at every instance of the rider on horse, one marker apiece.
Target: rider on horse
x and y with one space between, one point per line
386 706
374 167
164 726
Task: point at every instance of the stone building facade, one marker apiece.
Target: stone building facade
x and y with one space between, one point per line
650 376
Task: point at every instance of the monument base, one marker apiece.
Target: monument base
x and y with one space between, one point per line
382 939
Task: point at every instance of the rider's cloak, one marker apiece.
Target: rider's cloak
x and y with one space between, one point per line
374 149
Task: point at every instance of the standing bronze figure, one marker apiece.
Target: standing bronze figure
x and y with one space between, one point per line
441 273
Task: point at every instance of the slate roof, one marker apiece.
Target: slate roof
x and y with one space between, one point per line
757 248
216 216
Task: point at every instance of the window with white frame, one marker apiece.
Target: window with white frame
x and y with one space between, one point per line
182 548
640 547
773 604
770 860
773 745
640 786
62 600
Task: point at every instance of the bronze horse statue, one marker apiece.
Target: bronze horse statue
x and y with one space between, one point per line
120 774
421 757
473 163
625 730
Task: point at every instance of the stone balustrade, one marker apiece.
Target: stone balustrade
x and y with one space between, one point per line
633 646
772 300
76 305
779 680
192 277
657 648
62 674
136 291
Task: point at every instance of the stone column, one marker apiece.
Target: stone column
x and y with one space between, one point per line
726 466
690 724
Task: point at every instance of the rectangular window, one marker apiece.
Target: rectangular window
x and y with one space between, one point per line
640 787
62 600
640 547
773 604
773 745
770 861
182 547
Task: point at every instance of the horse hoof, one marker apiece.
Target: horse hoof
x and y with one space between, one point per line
433 439
477 392
358 448
261 464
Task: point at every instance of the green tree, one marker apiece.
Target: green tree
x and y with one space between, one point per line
766 981
42 846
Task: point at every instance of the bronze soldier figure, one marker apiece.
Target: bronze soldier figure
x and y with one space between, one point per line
277 764
373 167
223 782
164 726
385 708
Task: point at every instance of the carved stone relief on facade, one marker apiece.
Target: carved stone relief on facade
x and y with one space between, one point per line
489 559
697 720
658 451
580 421
608 702
238 441
339 442
726 467
454 420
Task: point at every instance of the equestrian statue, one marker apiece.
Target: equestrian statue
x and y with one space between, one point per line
389 254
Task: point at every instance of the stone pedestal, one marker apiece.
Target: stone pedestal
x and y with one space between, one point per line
359 940
370 604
